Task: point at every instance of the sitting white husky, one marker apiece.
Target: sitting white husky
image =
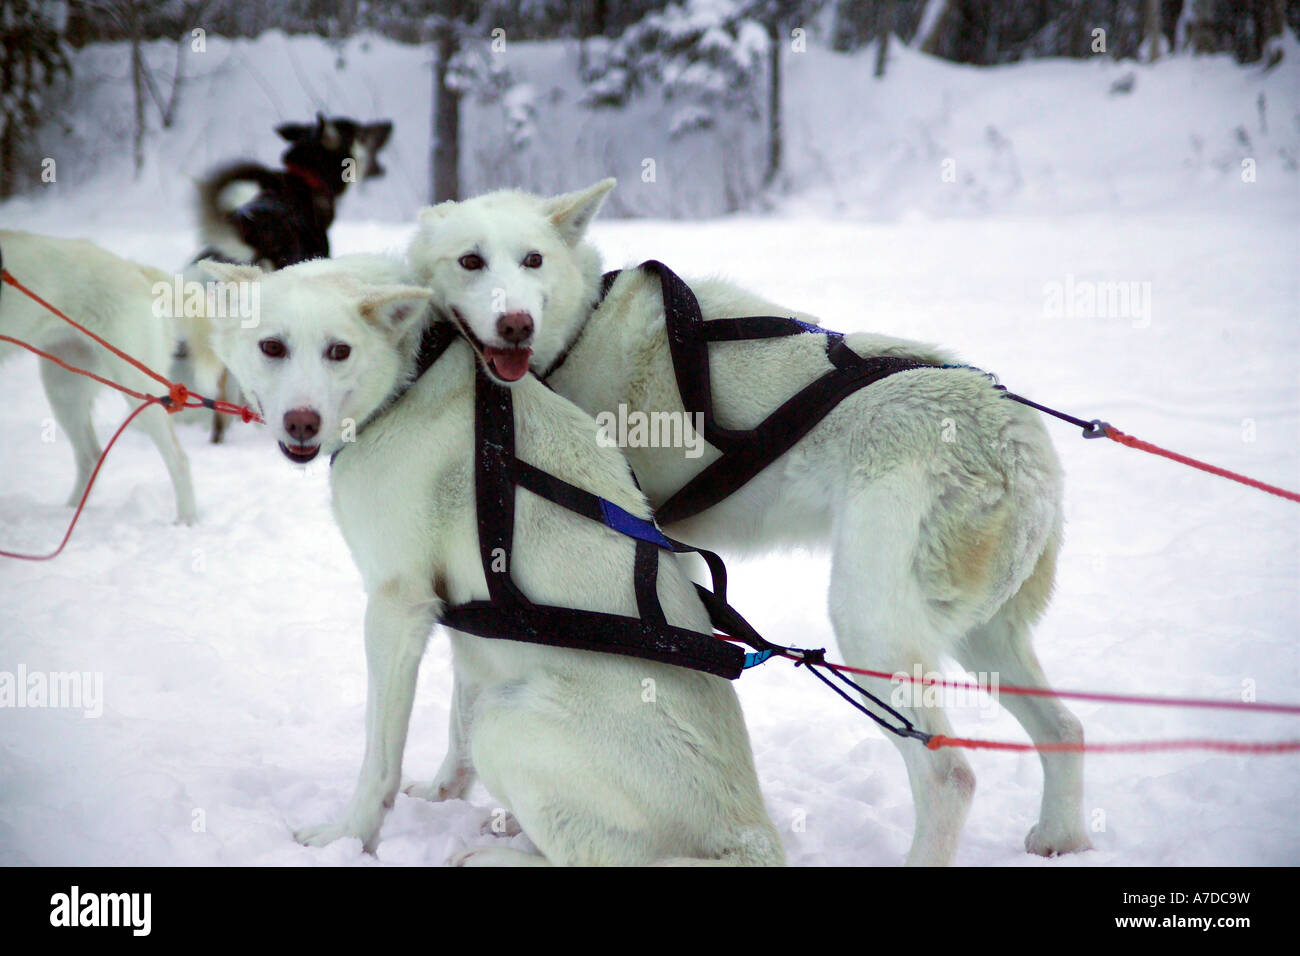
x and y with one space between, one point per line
939 498
595 769
114 299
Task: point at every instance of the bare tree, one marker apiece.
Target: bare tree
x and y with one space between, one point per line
1152 37
778 17
192 14
130 16
127 16
930 17
884 27
444 166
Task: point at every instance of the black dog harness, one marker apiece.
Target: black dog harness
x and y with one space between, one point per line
509 613
746 452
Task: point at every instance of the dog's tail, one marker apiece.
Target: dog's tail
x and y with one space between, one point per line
224 189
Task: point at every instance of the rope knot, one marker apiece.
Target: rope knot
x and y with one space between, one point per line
811 657
177 397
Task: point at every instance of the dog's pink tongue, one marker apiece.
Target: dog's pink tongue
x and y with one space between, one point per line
510 364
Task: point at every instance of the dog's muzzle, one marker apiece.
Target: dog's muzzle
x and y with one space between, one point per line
300 454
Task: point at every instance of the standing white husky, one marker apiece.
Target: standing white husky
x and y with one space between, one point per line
594 770
113 298
939 498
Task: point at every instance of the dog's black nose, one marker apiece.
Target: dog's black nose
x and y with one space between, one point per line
515 327
302 424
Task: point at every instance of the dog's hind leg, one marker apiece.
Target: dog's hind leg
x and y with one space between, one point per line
880 619
397 626
157 424
1002 647
456 775
71 397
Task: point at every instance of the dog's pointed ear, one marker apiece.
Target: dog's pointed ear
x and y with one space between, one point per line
292 132
572 213
394 308
230 271
378 133
432 215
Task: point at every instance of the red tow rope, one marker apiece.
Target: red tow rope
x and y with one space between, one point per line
814 659
177 398
1099 429
1114 434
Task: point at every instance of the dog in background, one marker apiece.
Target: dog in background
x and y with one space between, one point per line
114 299
250 214
254 215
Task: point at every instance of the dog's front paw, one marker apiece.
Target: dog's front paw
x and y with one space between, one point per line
326 833
445 786
1051 842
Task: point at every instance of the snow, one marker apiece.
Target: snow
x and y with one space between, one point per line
231 655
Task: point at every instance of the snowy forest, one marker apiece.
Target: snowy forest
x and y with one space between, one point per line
714 70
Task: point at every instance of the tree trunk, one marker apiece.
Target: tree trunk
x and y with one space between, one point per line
445 169
169 114
928 34
773 105
137 84
884 27
7 169
1151 34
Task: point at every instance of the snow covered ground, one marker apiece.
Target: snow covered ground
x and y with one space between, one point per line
231 655
231 651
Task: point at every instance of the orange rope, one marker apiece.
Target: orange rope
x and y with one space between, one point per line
148 400
7 276
1098 696
1114 434
1127 747
177 398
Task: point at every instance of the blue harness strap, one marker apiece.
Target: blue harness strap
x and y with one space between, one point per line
629 524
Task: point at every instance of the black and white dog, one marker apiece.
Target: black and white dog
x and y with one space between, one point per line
254 215
250 214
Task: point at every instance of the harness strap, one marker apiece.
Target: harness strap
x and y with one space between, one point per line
606 281
746 452
435 340
509 614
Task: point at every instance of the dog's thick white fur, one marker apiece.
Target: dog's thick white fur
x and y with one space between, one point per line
113 298
939 499
602 759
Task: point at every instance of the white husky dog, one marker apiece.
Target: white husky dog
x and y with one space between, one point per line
939 499
566 739
113 298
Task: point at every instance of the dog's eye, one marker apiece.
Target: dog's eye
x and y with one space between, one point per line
273 348
533 260
471 261
338 352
